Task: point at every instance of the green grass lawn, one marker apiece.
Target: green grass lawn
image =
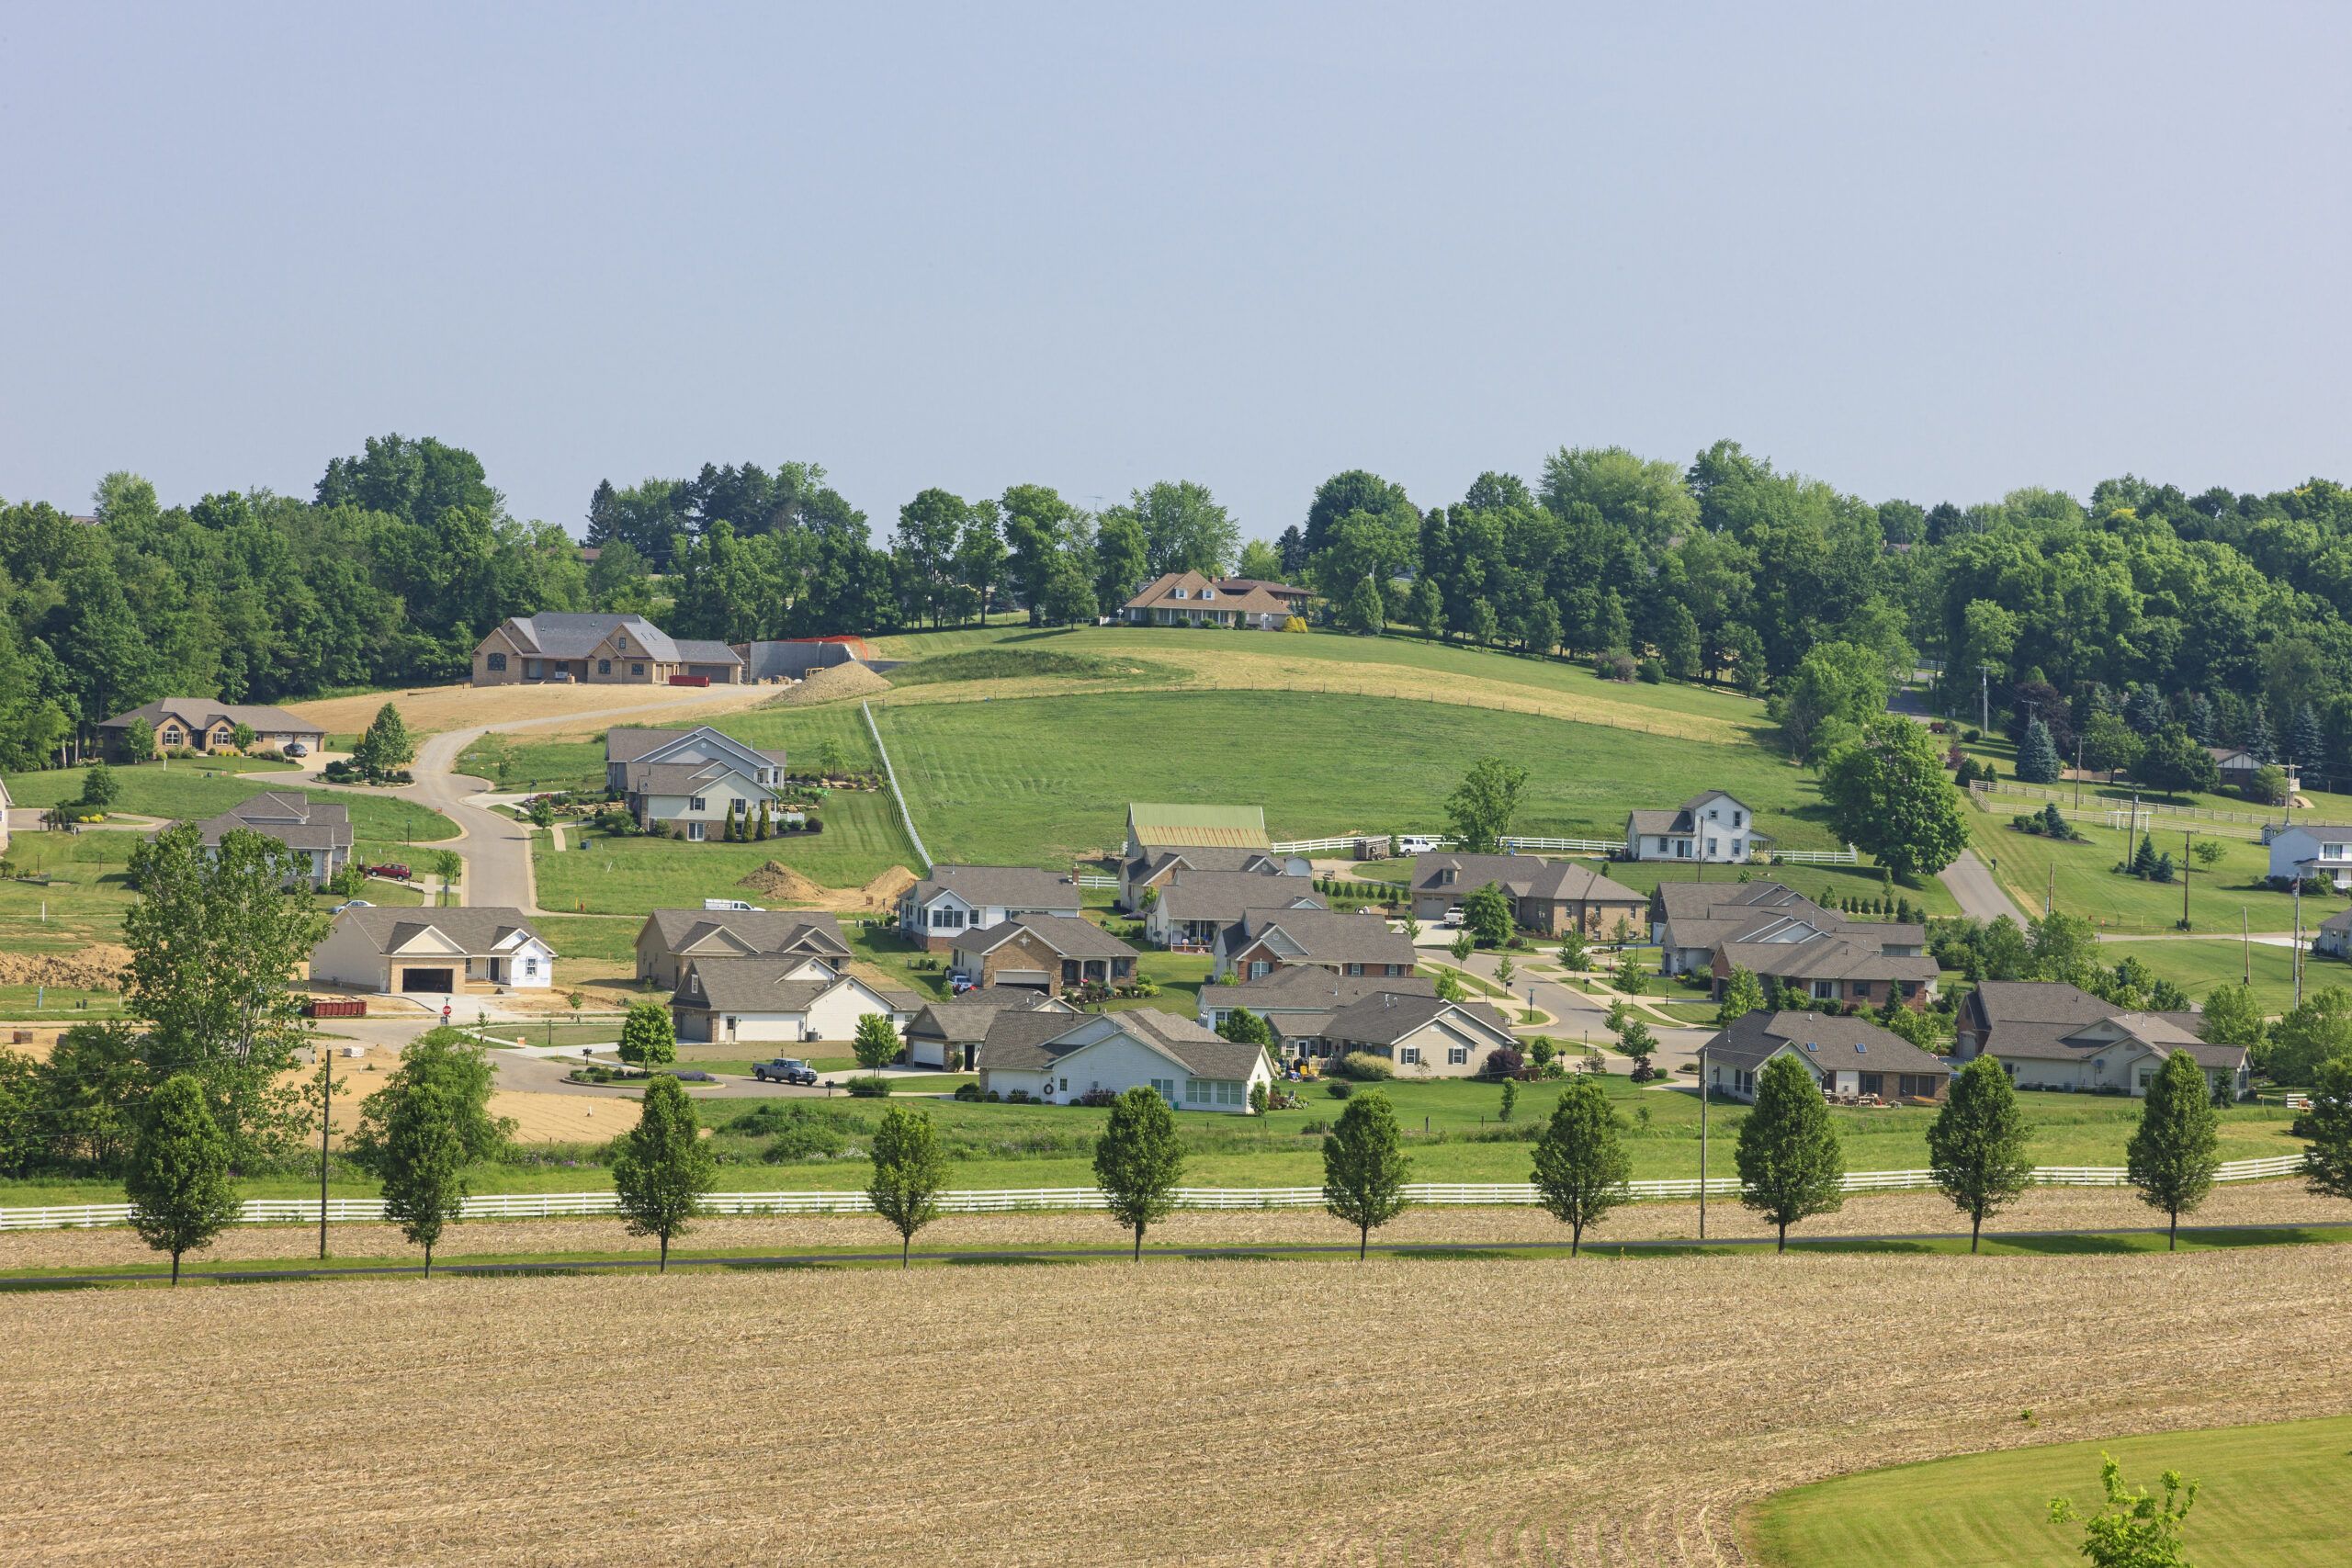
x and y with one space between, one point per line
605 938
541 764
632 875
1830 884
192 791
2199 967
1039 781
2273 1496
2087 883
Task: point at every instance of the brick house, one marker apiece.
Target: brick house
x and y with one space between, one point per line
207 724
1190 598
1045 953
1548 896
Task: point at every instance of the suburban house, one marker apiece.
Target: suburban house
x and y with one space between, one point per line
1862 962
605 649
1548 896
1302 997
1355 946
2332 940
779 997
1689 920
954 899
625 749
1192 907
1848 1057
949 1035
1063 1060
2048 1034
2237 767
1421 1036
2312 849
694 798
1140 876
1159 827
207 724
433 952
1189 599
1713 827
671 937
318 830
1044 952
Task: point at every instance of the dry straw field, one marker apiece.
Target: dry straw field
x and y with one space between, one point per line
1399 1411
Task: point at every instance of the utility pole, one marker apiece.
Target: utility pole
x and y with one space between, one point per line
2078 773
2049 890
1985 696
2130 831
2246 940
2299 930
1704 1098
2185 833
326 1120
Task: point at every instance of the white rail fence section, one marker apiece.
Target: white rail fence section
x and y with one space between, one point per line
1567 846
891 774
2116 810
1096 879
550 1205
1846 856
1347 841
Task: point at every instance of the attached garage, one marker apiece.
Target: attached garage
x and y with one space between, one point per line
434 980
1025 979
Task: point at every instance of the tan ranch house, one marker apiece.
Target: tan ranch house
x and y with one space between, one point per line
597 649
207 724
433 952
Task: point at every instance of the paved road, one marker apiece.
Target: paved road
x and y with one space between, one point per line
1980 898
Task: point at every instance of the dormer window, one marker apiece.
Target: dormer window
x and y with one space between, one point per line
1208 592
1181 593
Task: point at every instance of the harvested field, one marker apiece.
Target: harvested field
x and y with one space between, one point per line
2267 1203
1589 1413
431 709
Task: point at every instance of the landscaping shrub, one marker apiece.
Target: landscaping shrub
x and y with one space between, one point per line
1018 1097
1338 1088
969 1092
869 1089
802 1141
1365 1067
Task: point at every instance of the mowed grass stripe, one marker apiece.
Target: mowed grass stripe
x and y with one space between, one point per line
2274 1496
1037 781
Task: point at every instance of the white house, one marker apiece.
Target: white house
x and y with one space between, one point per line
956 898
1713 827
1192 1068
2313 849
2334 938
780 998
433 952
626 748
695 796
1422 1036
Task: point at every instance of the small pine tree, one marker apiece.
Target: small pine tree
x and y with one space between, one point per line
178 1183
909 1172
767 822
1139 1160
1790 1165
2173 1156
1976 1145
662 1172
1364 1168
1581 1166
2143 860
2038 757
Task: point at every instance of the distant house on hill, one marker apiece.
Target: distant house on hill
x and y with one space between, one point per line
597 649
2237 767
207 724
1713 827
2311 849
1190 598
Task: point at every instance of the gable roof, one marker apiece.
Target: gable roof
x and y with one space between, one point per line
1385 1017
1006 886
702 650
758 985
815 932
204 713
1523 876
1032 1041
1202 857
965 1019
479 930
690 778
1300 988
1325 936
627 744
1683 818
1828 1041
1248 595
1154 825
1067 934
2340 922
571 634
2043 1021
299 821
1838 954
1225 894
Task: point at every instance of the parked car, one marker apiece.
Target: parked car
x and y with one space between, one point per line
391 872
352 904
295 749
734 906
784 1069
1452 921
958 982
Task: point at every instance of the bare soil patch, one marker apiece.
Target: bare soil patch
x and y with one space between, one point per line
431 709
1502 1411
784 885
837 683
97 967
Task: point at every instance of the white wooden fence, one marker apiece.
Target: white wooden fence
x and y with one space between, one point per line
1444 1194
891 774
1846 856
2114 809
1319 846
1567 846
1097 879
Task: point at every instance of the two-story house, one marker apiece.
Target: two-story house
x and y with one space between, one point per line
1713 827
954 899
318 831
2313 849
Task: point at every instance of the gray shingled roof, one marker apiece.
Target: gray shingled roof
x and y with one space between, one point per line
205 711
1304 988
687 778
1388 1017
1829 956
1225 894
1523 876
299 821
1032 1042
479 930
626 744
1838 1042
965 1019
1327 935
784 931
1066 934
753 984
567 635
1205 858
699 650
1008 886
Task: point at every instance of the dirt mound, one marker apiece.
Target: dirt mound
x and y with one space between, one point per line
98 967
883 892
778 881
841 682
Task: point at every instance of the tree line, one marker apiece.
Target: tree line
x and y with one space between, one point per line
2222 613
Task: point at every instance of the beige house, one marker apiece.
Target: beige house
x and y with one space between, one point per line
598 648
1044 952
1111 1052
670 938
1547 897
207 724
781 998
1848 1056
433 952
1190 598
1422 1036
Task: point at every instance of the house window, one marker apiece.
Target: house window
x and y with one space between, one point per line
174 735
694 803
1180 594
1872 1083
1228 1092
1457 1055
1258 967
604 667
1208 592
637 669
530 968
1165 1088
2147 1076
1825 991
1196 1091
1408 1054
495 662
693 831
1355 969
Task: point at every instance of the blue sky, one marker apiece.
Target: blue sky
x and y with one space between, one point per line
1936 252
